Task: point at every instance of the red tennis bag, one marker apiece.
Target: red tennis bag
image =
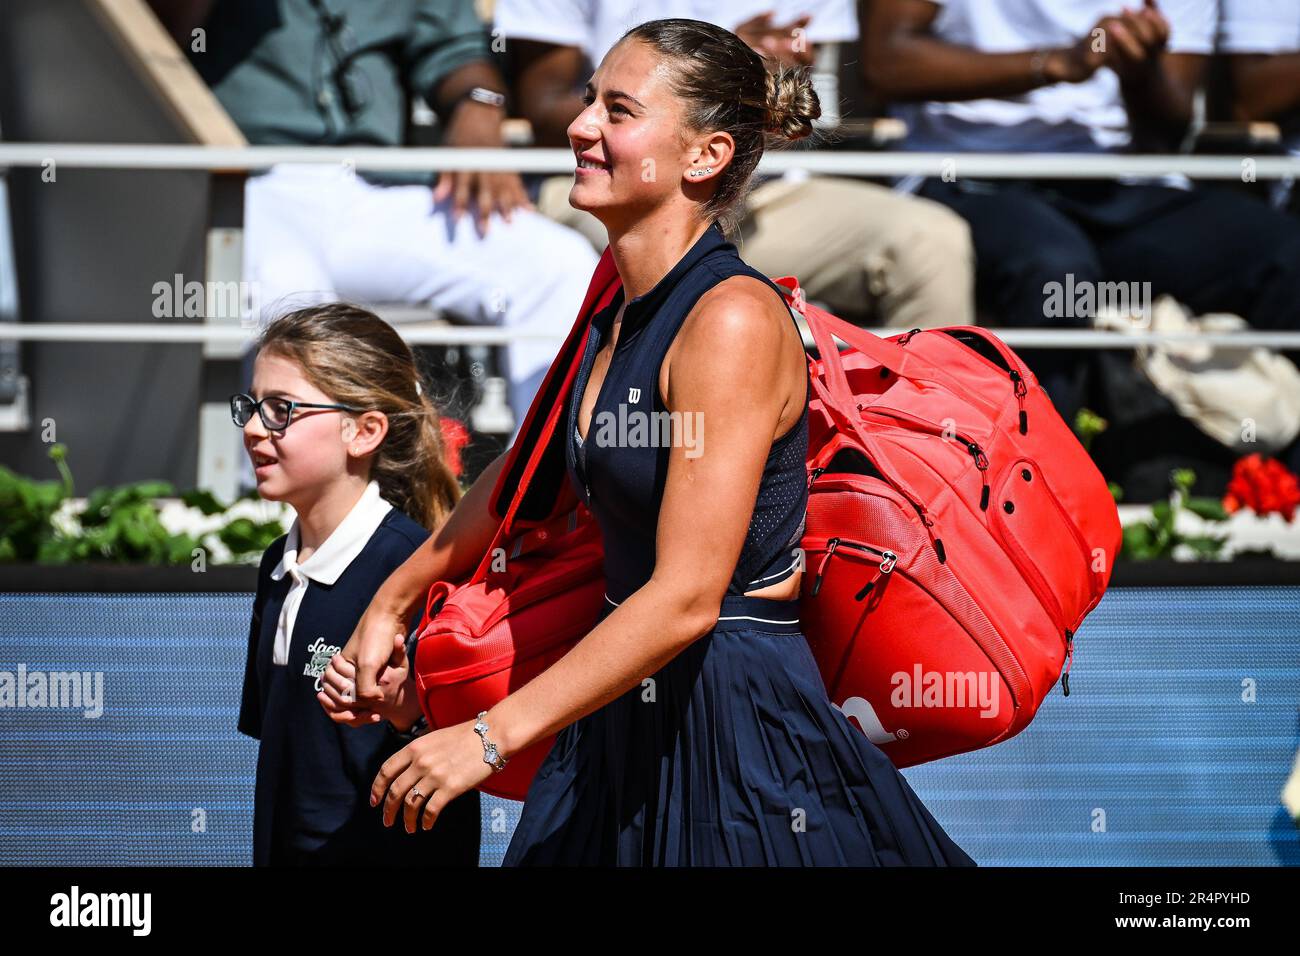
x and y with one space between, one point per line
957 535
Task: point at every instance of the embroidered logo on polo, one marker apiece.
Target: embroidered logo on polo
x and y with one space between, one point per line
320 659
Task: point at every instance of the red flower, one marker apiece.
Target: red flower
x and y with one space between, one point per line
1264 485
454 438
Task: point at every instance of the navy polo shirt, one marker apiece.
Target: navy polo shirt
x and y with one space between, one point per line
312 797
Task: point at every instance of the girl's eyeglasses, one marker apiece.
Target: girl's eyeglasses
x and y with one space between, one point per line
276 412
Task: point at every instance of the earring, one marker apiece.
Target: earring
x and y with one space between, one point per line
701 172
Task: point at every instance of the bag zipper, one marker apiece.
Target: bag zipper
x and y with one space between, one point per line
1069 659
1014 370
972 446
1046 597
886 565
1016 683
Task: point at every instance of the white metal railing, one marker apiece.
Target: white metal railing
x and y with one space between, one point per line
825 162
498 335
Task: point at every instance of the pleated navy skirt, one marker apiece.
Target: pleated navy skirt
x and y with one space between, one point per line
732 754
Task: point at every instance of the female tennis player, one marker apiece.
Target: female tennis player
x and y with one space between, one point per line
693 726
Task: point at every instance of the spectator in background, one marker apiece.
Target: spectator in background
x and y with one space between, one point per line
865 251
1078 76
1261 39
344 72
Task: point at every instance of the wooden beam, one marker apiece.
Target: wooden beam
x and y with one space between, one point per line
165 70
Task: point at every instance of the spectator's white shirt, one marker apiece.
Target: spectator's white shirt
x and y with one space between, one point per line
1064 117
596 25
1259 26
1263 26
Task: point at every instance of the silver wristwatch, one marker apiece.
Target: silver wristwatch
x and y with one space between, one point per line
490 755
481 94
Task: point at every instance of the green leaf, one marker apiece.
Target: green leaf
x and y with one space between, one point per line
204 500
1205 546
1137 542
1208 508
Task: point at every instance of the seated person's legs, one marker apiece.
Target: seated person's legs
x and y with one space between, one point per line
869 253
1219 251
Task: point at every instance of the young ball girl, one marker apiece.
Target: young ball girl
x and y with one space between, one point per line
338 427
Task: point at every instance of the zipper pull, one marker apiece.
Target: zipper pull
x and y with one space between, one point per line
929 524
885 566
1069 659
982 463
832 544
902 339
1021 391
814 475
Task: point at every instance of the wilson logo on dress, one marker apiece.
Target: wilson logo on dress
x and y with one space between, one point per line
633 395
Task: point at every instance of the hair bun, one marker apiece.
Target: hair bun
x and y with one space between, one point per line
792 102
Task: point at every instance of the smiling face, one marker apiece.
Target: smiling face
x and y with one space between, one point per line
300 462
634 152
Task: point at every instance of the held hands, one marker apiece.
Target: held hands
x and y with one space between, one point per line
372 650
428 773
398 700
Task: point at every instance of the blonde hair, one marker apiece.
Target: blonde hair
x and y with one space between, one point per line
728 86
358 359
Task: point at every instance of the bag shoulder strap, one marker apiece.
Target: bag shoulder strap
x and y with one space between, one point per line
524 456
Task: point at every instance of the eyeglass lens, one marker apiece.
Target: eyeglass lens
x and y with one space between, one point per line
274 411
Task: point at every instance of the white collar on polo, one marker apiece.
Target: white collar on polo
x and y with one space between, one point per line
327 562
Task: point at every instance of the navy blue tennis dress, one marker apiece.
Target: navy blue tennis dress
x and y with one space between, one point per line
736 756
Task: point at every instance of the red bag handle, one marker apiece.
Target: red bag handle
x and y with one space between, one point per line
823 324
835 394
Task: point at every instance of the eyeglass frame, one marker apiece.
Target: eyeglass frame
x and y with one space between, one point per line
294 405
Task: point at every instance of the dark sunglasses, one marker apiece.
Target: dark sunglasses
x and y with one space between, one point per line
276 412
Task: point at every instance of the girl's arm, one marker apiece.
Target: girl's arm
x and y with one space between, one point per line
451 552
734 353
